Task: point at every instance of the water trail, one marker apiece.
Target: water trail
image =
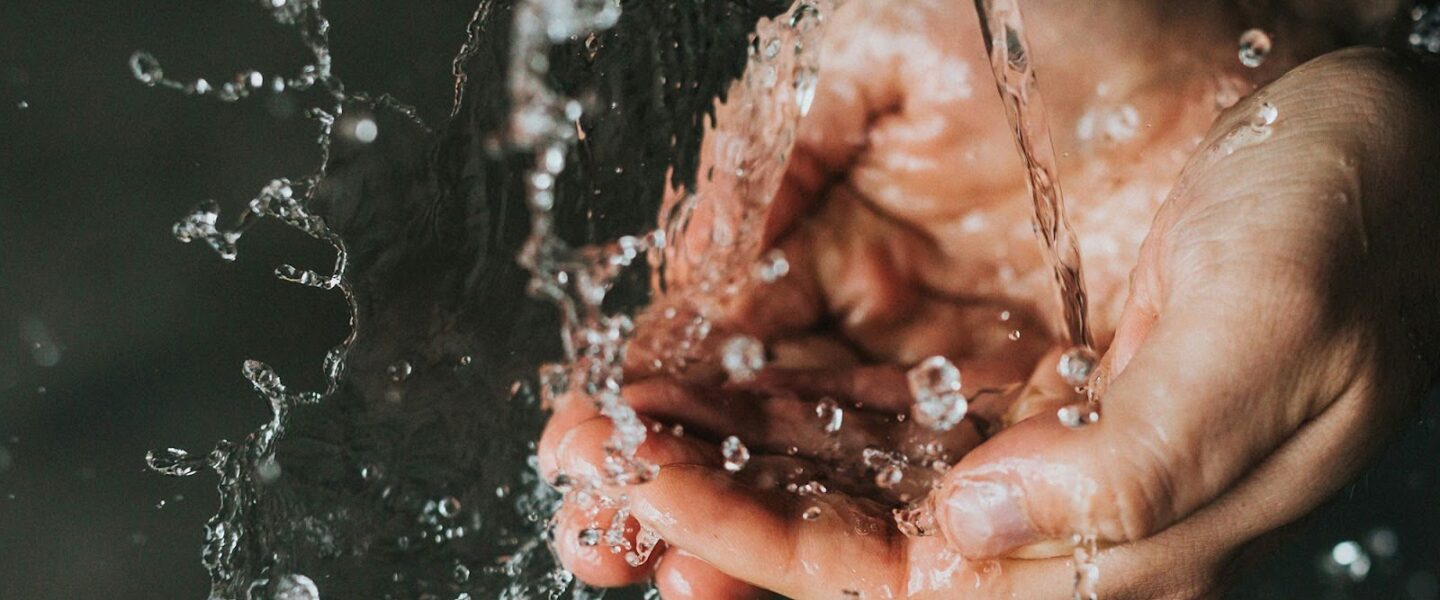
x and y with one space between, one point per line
1003 30
246 466
1010 58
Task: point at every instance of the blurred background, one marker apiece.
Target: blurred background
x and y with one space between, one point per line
116 339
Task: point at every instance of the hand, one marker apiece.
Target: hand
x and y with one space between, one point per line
1242 270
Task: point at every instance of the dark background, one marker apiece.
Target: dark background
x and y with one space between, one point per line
95 169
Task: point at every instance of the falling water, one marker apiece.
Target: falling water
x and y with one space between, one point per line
1013 64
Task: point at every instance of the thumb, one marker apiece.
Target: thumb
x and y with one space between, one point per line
1186 418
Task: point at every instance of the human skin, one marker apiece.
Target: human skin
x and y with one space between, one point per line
1267 311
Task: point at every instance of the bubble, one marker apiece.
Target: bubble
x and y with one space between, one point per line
811 513
831 416
735 453
935 385
462 573
743 357
1254 47
1077 365
589 536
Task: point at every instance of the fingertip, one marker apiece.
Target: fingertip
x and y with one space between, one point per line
586 554
684 576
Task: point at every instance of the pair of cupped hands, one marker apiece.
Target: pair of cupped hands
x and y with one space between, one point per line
1265 291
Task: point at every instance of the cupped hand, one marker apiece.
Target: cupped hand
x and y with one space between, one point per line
1278 319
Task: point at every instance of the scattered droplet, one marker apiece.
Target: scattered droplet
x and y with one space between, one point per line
399 370
889 476
735 453
1087 571
832 417
1348 560
268 470
645 542
1425 29
590 536
812 513
146 68
1254 47
772 266
366 131
1077 415
174 462
1264 116
743 357
935 385
296 587
1077 365
448 507
916 520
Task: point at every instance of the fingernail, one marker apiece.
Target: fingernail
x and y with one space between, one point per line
984 519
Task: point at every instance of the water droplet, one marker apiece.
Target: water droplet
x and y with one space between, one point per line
1014 335
466 360
399 371
1425 29
590 536
935 385
22 105
811 513
366 130
735 453
1348 560
1077 365
743 357
146 68
174 462
268 470
645 542
889 476
1077 415
772 266
1254 47
1264 116
296 587
1382 542
832 417
1087 572
448 507
916 520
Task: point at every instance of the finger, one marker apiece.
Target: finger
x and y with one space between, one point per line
581 546
684 576
791 425
1192 412
769 539
570 409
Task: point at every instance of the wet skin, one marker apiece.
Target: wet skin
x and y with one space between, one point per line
1268 313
